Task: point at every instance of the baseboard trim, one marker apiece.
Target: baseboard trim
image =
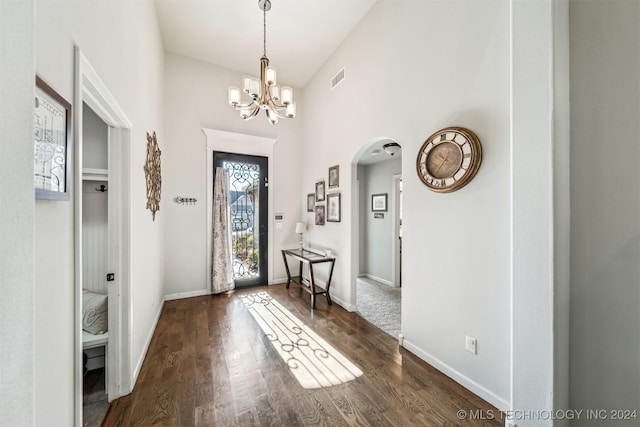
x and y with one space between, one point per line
278 281
147 343
458 377
349 307
181 295
378 279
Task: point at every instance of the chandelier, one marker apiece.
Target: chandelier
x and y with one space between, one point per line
265 93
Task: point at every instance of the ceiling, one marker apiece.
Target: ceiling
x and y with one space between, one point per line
301 34
376 154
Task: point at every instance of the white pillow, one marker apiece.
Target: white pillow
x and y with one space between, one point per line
94 312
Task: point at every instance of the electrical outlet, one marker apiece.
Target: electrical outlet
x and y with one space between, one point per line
470 344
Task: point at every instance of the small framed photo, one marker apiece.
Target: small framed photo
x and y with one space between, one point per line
320 215
320 191
334 176
333 207
52 144
311 202
379 202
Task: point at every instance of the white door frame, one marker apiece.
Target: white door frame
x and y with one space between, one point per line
238 143
90 89
395 230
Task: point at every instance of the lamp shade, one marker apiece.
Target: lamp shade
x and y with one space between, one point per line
301 227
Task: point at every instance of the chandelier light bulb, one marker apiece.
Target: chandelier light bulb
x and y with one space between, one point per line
273 117
270 76
287 95
291 110
275 93
246 84
234 96
255 88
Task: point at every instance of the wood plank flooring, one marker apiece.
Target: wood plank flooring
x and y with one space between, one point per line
210 364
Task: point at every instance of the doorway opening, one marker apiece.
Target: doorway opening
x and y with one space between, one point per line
95 246
248 207
378 222
113 254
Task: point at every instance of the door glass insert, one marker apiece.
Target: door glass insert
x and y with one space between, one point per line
244 199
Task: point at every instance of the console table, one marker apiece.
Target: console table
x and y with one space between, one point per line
309 258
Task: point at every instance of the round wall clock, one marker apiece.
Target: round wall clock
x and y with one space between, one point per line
449 159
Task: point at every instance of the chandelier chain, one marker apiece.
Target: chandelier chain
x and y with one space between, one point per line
264 32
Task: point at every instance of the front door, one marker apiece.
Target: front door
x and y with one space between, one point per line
248 203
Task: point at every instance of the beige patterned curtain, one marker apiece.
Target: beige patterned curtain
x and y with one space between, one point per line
221 263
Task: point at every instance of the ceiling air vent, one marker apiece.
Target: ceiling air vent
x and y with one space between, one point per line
337 78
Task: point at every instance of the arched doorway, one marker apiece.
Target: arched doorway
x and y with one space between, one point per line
378 221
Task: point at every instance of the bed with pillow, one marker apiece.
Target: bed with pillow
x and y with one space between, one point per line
94 329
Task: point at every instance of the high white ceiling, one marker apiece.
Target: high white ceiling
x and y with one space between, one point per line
301 34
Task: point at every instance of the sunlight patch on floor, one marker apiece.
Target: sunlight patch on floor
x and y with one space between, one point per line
312 360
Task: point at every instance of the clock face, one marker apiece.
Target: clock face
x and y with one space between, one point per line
449 159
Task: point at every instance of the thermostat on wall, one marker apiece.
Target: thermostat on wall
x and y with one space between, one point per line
278 219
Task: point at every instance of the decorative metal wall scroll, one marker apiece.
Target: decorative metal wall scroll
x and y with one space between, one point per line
153 174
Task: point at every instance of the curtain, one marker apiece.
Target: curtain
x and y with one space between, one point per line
221 263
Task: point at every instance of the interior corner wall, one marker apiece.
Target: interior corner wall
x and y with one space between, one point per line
533 284
17 214
456 246
562 205
605 206
196 98
376 242
122 42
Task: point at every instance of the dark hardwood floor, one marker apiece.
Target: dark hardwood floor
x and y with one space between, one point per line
209 363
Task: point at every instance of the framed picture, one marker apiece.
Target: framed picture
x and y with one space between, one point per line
311 201
319 215
334 176
333 207
52 147
320 193
379 202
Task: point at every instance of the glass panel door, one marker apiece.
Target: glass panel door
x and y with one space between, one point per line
248 200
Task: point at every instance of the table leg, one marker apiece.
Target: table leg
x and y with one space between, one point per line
329 282
286 267
313 286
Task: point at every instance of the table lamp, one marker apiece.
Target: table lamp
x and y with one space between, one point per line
301 227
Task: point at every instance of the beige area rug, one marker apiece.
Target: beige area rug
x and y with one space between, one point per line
379 304
312 360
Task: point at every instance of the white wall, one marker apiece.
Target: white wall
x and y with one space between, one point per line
376 238
95 140
407 77
122 42
196 98
605 201
17 214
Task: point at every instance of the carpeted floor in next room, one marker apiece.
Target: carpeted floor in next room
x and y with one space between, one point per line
379 304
